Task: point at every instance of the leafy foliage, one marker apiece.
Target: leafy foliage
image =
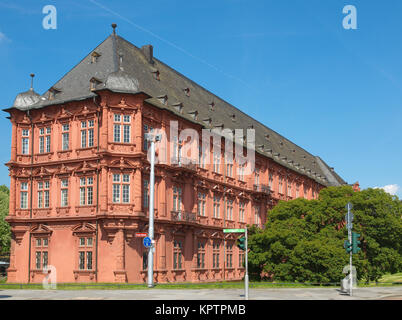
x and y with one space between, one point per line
5 232
303 239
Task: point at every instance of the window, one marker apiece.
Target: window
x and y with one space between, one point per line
229 169
270 180
305 191
86 191
121 186
24 195
43 194
85 253
241 171
64 192
201 255
145 193
257 219
201 203
242 206
44 139
201 156
177 254
241 259
25 141
289 188
177 197
217 162
217 206
122 123
145 260
229 209
229 255
215 254
87 133
297 190
65 136
257 176
41 253
280 190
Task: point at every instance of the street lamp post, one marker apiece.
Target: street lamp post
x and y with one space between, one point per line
152 138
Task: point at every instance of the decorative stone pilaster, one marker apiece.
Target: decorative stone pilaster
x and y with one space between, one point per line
120 272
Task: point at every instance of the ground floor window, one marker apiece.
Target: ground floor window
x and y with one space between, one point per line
177 254
229 255
85 253
215 254
201 255
41 252
241 260
145 260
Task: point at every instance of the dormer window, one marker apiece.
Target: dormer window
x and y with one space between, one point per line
94 57
178 107
156 75
233 117
267 136
219 125
211 106
187 91
163 99
53 93
207 121
94 82
194 114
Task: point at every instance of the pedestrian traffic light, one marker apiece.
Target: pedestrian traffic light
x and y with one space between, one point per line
241 243
355 243
348 246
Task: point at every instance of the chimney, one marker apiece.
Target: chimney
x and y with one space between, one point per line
148 51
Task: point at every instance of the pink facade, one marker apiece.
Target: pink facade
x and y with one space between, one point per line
78 194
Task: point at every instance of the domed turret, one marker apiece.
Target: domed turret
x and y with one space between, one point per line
121 80
26 99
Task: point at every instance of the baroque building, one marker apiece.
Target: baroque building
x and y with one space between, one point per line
79 189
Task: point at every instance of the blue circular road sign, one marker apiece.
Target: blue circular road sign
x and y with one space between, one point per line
147 242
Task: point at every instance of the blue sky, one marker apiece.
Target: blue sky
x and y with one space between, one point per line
288 63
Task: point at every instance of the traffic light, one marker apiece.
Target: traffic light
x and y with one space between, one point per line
241 243
348 246
355 243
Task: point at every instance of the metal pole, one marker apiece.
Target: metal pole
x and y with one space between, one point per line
350 261
151 218
246 263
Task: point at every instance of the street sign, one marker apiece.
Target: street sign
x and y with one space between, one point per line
147 242
233 230
140 234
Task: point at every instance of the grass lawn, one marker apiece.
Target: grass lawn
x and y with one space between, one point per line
396 277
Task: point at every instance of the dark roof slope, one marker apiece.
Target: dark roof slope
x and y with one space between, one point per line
197 104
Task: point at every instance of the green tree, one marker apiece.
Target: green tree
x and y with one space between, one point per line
5 232
303 239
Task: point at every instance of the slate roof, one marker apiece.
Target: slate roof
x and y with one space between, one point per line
122 67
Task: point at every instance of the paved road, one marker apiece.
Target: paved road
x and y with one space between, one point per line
376 293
